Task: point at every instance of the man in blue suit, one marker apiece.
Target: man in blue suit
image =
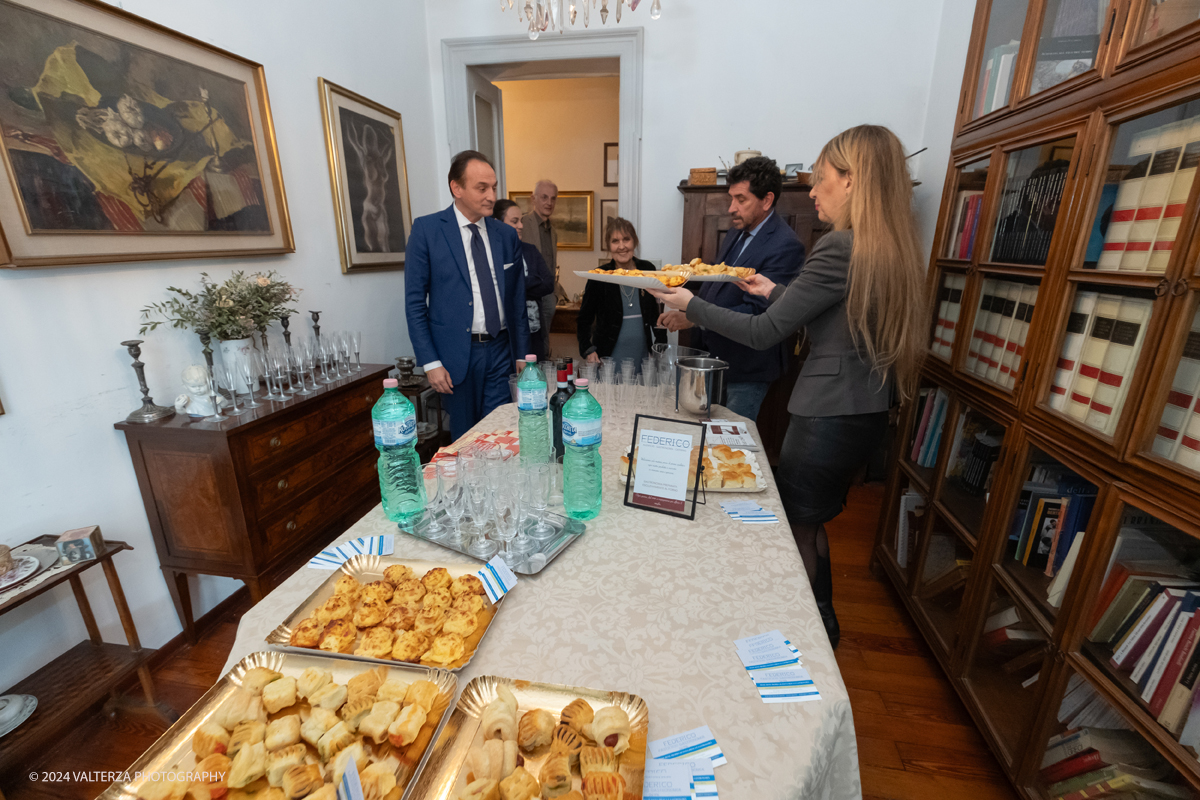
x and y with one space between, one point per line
758 239
464 295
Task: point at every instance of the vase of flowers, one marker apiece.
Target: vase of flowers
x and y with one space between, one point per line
229 312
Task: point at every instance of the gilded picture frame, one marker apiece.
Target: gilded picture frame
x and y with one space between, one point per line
573 217
123 140
368 174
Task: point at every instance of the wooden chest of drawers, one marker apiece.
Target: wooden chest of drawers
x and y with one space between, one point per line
256 495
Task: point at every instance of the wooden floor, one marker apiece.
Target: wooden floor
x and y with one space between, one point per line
915 739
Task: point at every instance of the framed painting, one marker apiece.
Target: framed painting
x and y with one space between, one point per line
612 163
365 144
572 217
608 212
123 140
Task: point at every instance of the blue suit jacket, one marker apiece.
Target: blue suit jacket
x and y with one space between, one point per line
775 252
437 290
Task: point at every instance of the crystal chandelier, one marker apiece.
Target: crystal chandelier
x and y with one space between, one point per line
545 15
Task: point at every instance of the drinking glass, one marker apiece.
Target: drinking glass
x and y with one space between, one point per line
356 341
245 365
431 476
508 522
230 373
518 482
275 367
556 482
296 359
480 497
454 496
539 498
493 468
323 352
215 396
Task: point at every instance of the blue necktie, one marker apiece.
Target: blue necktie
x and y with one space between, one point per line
487 286
735 249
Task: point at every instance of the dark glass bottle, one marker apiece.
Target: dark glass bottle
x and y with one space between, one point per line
570 374
556 406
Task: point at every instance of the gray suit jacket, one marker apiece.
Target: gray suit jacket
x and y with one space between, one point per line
532 234
836 379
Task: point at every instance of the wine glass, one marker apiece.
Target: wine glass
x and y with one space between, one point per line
227 369
508 521
324 352
245 364
308 351
215 396
433 500
357 342
480 498
518 481
347 348
275 370
539 498
454 497
296 359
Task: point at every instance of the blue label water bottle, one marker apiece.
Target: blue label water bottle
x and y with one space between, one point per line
581 432
533 424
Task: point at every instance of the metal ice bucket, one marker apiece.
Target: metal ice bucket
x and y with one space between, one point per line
699 384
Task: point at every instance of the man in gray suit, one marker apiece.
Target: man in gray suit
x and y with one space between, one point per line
539 232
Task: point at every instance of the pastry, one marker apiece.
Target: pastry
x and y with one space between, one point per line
463 623
597 759
282 732
326 792
354 711
334 740
422 693
330 696
437 598
352 752
374 725
165 789
446 649
278 695
566 740
411 645
408 592
468 602
279 761
307 633
737 476
312 680
370 612
437 578
406 725
339 606
726 454
430 621
603 786
499 719
519 786
610 728
347 584
466 584
401 618
555 775
397 574
380 590
339 636
572 795
577 715
535 729
376 642
239 706
301 780
248 765
319 720
210 738
495 759
365 684
211 773
246 733
392 689
485 789
377 780
256 678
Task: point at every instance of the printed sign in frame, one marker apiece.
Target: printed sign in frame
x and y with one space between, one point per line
664 470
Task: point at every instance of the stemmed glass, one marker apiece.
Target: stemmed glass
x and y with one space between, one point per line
274 375
215 396
480 498
433 500
356 340
539 499
323 352
227 369
454 496
245 364
296 362
306 351
347 349
508 521
518 482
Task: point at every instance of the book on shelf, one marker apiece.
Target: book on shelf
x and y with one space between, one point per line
912 507
1014 347
1181 187
956 283
1001 619
1125 783
993 323
1030 658
1113 747
997 78
1092 760
1078 323
1141 643
1181 400
1091 357
1188 454
1129 192
983 315
1010 295
1120 359
1177 705
1028 210
1046 519
968 204
1155 188
924 408
1190 735
1170 637
1058 586
1003 637
933 434
1082 707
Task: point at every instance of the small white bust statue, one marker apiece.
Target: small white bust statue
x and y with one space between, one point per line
196 402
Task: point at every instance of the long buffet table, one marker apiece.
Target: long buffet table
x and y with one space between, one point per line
651 604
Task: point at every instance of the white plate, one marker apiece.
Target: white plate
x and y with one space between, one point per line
15 709
704 278
637 281
24 567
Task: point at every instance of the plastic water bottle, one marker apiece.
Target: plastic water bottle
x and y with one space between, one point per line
582 421
533 425
400 483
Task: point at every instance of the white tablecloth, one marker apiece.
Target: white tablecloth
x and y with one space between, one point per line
651 604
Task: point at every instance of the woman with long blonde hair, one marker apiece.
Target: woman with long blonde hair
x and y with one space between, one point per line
861 298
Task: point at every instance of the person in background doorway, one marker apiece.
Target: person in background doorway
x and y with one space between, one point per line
464 296
539 232
758 239
539 281
618 321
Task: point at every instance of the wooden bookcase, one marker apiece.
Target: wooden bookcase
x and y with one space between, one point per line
1048 158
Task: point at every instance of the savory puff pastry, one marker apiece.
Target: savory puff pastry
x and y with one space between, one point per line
256 678
246 733
401 618
494 760
248 765
408 592
577 715
279 761
330 696
307 633
411 645
422 693
392 689
319 720
239 706
555 775
339 636
374 725
210 738
437 578
466 584
301 780
446 649
603 786
535 729
519 786
485 789
212 771
499 719
326 792
347 584
354 711
430 621
311 680
397 574
597 759
355 753
463 623
610 728
406 725
472 603
437 598
380 590
369 612
334 741
365 684
339 606
282 732
376 642
377 780
565 740
278 695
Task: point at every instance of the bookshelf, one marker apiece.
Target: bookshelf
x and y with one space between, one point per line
1049 469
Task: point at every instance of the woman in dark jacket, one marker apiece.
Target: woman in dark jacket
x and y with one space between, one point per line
618 321
539 281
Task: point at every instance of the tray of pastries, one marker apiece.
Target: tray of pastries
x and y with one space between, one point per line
697 270
383 609
726 469
516 740
641 279
280 725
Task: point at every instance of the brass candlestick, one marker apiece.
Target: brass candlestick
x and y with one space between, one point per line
148 412
287 335
316 318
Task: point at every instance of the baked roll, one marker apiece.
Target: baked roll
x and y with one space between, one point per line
535 729
248 765
278 695
330 696
725 453
377 780
437 578
406 725
374 725
366 684
400 618
339 606
397 574
421 693
408 592
279 761
380 590
370 612
472 603
555 775
347 584
319 720
352 753
239 706
519 786
463 623
354 711
256 678
466 584
339 636
485 789
494 759
211 774
566 740
307 633
327 791
603 786
392 689
282 732
610 728
311 680
437 598
411 645
376 642
445 650
430 621
500 716
597 759
577 715
334 741
246 733
301 780
210 738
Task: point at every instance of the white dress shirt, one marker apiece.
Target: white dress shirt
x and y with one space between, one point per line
478 323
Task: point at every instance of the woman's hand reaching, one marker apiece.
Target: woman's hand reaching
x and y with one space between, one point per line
756 284
677 298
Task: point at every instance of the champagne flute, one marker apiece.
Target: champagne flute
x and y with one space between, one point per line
279 364
227 369
357 342
433 500
347 349
246 366
454 499
508 521
215 396
539 499
481 504
296 357
519 484
323 352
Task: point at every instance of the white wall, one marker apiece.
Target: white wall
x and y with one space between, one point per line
64 379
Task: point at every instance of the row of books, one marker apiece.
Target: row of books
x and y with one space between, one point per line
1150 196
967 206
912 508
1178 436
1006 631
931 418
1047 530
1070 39
949 309
1001 328
973 451
1028 210
947 569
996 81
1099 352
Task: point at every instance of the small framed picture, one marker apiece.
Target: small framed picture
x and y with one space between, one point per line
608 212
792 170
611 163
80 544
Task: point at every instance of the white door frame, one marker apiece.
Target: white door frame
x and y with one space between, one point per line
625 44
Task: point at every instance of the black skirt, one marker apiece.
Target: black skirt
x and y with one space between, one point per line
820 456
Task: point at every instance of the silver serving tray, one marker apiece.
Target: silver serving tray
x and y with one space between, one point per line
566 529
366 568
173 750
445 773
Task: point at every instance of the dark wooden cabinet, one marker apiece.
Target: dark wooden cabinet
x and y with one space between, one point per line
254 495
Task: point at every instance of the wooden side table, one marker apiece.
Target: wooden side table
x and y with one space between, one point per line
82 676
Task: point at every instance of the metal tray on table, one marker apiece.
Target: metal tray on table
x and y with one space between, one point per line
566 529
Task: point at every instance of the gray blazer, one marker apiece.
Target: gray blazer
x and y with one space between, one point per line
836 379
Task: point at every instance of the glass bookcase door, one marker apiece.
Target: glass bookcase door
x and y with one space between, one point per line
942 582
975 441
1000 329
966 211
1177 435
1034 179
947 313
1098 353
1006 19
1150 172
1165 16
1069 41
901 543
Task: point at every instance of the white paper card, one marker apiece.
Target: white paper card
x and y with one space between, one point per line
333 557
704 779
351 787
730 433
662 470
667 780
688 745
498 579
